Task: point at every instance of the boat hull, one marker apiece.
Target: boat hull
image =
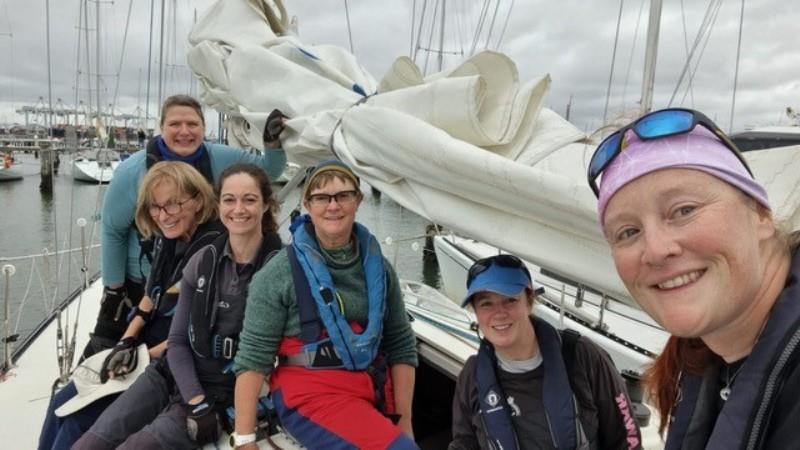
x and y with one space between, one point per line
92 172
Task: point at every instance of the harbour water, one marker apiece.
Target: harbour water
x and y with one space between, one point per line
30 222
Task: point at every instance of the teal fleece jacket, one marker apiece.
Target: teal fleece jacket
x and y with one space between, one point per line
119 237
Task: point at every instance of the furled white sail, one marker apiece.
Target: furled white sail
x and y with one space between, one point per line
470 148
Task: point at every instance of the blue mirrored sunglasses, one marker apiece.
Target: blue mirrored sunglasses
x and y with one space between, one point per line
655 125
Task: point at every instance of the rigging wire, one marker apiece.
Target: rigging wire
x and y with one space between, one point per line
698 38
633 50
505 25
491 25
479 27
430 37
121 57
686 47
419 29
349 29
613 61
736 70
706 39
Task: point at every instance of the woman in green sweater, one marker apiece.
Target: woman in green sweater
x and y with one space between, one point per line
329 309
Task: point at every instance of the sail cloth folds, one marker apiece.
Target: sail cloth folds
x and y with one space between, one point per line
469 148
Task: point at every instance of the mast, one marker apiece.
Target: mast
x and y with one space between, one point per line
651 51
49 74
97 64
441 37
161 58
149 62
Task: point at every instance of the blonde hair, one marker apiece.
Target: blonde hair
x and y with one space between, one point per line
187 181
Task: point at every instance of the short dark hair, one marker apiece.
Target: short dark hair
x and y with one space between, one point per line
181 100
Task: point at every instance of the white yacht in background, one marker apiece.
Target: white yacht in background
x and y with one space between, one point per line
99 169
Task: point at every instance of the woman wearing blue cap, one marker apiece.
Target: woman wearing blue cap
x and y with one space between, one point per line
530 386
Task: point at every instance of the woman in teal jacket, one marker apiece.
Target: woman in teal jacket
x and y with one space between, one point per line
124 262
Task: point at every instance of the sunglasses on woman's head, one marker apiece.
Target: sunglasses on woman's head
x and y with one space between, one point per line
655 125
482 265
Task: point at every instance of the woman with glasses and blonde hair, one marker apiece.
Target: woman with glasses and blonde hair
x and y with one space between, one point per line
328 308
694 240
176 206
204 331
531 386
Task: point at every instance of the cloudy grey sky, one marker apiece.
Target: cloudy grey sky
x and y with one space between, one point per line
572 40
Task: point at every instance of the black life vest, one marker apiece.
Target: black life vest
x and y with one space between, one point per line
168 270
557 396
743 421
214 343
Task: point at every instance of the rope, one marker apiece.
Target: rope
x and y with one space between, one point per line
613 61
24 297
46 253
736 71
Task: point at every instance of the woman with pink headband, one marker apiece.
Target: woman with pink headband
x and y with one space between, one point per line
694 240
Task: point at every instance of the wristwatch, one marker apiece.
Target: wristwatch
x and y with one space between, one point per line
238 440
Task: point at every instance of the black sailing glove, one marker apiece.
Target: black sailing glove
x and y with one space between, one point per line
121 360
274 126
115 304
202 423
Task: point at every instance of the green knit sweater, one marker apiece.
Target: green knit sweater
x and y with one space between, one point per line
272 312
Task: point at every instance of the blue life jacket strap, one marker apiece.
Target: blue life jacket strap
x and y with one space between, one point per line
310 327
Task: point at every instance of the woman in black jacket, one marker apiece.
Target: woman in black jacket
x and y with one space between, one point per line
529 386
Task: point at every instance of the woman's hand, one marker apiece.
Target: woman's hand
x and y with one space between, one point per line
158 350
276 122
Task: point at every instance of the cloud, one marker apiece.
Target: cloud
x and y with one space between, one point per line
572 40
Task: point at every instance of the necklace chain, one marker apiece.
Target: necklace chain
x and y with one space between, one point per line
725 392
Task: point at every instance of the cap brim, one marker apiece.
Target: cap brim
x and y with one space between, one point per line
508 290
92 390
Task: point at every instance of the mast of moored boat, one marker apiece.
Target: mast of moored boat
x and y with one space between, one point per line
651 51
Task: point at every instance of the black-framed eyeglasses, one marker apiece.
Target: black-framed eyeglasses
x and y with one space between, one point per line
170 208
655 125
505 260
341 197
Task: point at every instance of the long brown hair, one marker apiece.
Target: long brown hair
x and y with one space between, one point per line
690 356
